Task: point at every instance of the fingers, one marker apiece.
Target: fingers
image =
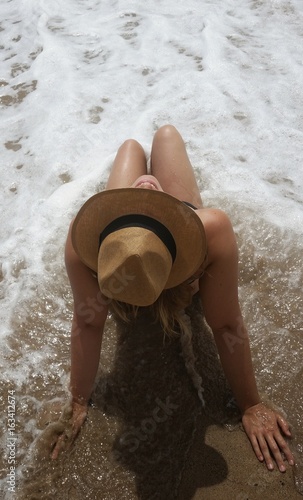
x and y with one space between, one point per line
58 447
64 442
256 448
283 425
271 447
69 434
265 429
285 449
273 450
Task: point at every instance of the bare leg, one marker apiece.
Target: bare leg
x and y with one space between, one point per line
129 164
171 166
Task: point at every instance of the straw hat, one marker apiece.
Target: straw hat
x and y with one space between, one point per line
139 242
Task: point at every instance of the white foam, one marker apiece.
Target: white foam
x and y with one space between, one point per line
229 76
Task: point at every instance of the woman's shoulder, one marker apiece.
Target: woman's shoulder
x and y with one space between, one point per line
219 232
73 263
213 216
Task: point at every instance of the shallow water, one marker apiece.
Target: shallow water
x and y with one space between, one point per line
77 80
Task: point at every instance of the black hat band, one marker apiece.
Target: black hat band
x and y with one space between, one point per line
139 220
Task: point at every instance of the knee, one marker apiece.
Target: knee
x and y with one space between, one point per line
132 146
167 132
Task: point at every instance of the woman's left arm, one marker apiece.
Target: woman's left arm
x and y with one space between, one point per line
265 427
219 294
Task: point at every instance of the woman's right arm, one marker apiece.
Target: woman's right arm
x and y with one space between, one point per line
90 313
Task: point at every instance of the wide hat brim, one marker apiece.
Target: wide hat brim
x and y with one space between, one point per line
182 222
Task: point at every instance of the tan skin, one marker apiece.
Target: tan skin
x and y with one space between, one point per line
172 173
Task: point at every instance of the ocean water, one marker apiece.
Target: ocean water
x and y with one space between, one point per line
77 79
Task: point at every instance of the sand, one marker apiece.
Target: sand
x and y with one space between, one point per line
223 466
147 435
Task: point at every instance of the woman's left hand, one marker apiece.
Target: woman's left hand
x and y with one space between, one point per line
265 429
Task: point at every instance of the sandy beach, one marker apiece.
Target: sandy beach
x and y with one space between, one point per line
147 435
224 467
219 465
79 78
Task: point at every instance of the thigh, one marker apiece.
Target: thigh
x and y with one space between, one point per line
171 166
129 164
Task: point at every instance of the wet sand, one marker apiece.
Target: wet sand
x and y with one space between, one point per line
223 466
147 435
220 463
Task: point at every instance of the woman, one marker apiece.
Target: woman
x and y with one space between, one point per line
147 241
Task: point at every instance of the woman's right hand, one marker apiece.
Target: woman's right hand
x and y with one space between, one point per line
73 421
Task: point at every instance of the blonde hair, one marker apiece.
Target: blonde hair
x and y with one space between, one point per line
169 311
